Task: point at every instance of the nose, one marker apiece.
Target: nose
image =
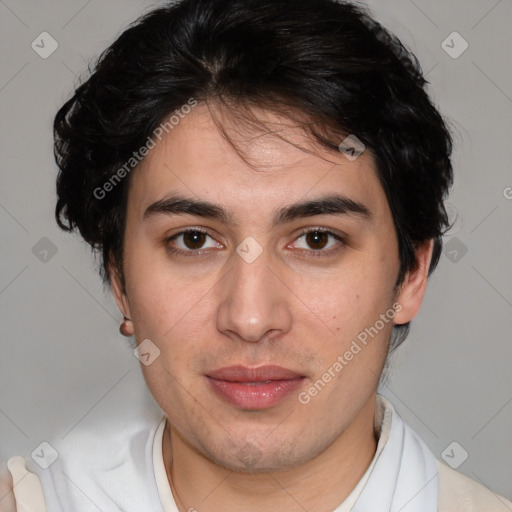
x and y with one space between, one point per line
255 302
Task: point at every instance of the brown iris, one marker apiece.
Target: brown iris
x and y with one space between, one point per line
317 239
194 239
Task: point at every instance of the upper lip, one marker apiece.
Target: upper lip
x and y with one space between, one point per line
258 374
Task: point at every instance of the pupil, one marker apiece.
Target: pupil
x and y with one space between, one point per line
317 239
194 239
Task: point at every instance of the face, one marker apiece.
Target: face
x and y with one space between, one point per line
254 277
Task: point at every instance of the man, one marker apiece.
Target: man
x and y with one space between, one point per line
265 181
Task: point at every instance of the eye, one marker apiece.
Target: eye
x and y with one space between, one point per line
317 240
192 240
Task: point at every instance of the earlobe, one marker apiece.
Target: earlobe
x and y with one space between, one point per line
413 288
126 328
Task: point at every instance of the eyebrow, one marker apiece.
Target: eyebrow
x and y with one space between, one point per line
333 204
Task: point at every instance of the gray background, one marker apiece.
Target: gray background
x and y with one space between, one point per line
63 362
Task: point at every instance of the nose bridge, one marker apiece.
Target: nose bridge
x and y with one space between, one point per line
253 301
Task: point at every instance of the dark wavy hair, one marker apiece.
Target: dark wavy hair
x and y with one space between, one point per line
323 61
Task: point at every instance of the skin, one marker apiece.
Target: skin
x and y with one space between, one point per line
296 305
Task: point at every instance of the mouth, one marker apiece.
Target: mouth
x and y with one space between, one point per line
254 388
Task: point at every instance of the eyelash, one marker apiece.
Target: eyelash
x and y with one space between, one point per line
313 253
320 253
181 252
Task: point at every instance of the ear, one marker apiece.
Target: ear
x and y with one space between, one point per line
412 290
118 289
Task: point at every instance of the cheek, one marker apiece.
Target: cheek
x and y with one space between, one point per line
354 351
161 300
175 315
351 299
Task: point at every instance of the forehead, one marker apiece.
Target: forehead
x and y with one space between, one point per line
246 167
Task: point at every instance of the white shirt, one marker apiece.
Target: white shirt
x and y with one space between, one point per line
124 471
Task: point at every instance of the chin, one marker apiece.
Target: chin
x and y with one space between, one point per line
247 457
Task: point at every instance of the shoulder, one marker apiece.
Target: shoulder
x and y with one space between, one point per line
109 463
24 491
457 493
7 502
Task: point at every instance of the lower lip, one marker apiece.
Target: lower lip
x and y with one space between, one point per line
254 396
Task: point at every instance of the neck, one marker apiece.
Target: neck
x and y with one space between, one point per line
320 484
